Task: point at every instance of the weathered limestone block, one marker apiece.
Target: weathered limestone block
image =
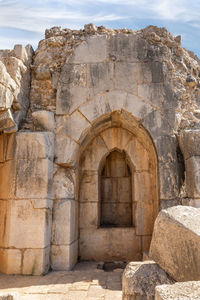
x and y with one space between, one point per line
89 215
189 141
4 228
191 202
100 78
105 244
69 98
123 47
89 191
181 290
66 150
116 138
156 124
169 184
8 179
7 121
116 99
10 261
64 257
140 279
71 90
6 97
24 53
137 107
126 76
71 126
36 261
63 183
34 178
64 226
93 50
192 166
31 145
95 108
176 242
93 155
166 147
44 120
146 241
25 216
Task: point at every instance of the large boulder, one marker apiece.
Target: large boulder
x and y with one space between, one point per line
140 279
175 244
180 290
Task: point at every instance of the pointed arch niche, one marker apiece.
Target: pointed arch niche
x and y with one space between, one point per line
118 197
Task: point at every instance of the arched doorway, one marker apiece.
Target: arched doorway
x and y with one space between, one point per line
118 195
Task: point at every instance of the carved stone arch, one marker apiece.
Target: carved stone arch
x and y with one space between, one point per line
117 243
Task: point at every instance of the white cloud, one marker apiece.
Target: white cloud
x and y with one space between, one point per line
37 15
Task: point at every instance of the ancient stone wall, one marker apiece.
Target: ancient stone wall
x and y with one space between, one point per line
93 91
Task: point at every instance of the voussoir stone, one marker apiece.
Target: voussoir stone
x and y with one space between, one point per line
140 279
175 244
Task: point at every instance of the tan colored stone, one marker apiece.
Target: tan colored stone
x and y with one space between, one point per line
175 242
100 78
66 150
116 99
7 123
4 222
36 261
138 108
140 279
145 215
44 120
93 154
63 184
126 76
107 244
116 138
89 215
90 51
89 191
34 178
35 222
192 176
146 241
7 179
30 145
21 53
136 150
95 108
10 261
180 290
64 257
146 194
69 98
64 229
72 126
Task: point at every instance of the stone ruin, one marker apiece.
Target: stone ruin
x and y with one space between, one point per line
100 129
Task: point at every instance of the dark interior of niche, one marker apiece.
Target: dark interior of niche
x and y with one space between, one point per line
181 167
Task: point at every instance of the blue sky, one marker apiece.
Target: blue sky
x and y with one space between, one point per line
24 21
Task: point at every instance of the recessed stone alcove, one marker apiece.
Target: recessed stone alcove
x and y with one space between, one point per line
118 196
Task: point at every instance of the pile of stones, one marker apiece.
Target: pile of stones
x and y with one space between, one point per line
174 270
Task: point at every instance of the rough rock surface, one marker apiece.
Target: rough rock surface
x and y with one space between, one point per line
173 64
14 86
175 244
180 291
140 279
